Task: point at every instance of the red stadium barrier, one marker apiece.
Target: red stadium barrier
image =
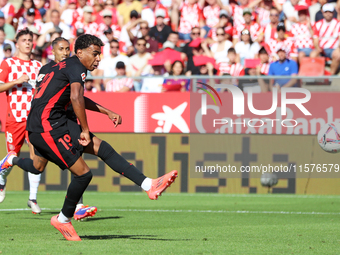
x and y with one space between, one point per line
170 113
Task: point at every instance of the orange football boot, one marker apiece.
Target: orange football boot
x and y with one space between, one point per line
161 184
66 229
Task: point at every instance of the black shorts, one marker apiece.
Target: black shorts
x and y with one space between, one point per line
60 145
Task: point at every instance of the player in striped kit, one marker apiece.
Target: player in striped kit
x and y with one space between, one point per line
18 77
326 37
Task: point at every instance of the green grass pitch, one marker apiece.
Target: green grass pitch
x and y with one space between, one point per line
130 223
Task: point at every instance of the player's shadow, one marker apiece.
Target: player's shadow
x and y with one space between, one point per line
133 237
104 218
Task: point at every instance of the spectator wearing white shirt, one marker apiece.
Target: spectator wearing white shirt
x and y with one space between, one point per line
67 15
246 49
107 67
149 13
219 50
56 22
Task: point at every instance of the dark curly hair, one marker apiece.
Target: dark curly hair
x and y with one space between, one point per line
85 41
22 32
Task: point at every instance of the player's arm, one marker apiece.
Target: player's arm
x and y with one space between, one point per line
9 85
78 104
93 106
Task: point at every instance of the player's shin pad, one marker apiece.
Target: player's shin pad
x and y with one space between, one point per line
75 190
117 163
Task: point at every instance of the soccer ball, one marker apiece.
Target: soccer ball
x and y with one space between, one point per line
329 137
269 179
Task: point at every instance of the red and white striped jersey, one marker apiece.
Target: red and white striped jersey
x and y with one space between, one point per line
302 35
265 68
274 45
91 28
263 16
8 10
328 33
254 28
115 28
228 30
115 85
237 12
269 32
232 69
20 96
190 16
37 24
211 15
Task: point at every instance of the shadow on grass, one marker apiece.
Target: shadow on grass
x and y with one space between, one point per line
103 218
133 237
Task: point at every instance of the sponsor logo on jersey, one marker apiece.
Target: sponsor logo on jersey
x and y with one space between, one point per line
83 76
40 77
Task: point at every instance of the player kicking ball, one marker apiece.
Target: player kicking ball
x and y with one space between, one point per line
63 141
61 51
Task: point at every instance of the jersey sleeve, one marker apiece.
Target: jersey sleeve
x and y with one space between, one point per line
4 71
77 73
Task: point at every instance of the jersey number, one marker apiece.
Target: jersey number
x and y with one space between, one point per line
48 77
9 137
66 141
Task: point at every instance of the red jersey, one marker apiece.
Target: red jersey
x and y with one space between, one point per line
20 96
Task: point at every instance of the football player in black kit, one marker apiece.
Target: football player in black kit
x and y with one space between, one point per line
61 50
62 141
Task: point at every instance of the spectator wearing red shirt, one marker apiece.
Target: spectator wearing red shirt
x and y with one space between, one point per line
326 37
191 12
237 11
211 14
149 13
224 21
263 10
281 42
78 14
230 67
87 24
270 29
124 84
108 23
109 5
254 28
8 9
302 33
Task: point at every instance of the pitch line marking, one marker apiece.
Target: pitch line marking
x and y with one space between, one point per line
95 193
189 211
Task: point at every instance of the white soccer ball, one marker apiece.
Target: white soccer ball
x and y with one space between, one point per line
329 137
269 179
